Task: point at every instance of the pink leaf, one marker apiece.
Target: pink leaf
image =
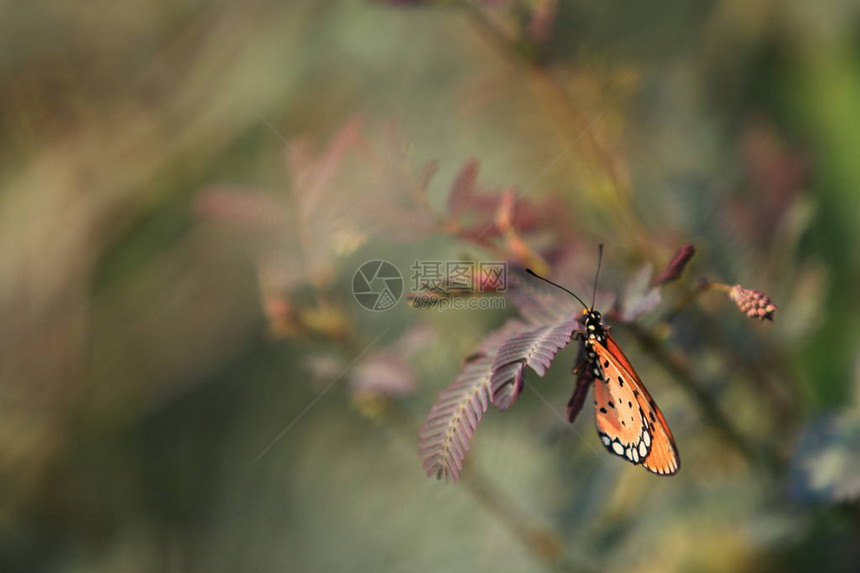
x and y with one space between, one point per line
426 175
542 21
639 297
676 266
245 206
313 175
385 373
463 188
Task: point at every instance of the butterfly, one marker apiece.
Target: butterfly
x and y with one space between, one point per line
629 423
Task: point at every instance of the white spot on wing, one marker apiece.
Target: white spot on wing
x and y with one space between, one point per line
618 448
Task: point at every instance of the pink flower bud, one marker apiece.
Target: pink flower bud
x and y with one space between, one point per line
753 303
676 266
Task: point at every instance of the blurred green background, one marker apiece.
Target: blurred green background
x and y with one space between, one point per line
180 348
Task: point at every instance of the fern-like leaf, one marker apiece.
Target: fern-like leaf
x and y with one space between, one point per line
454 417
509 380
536 349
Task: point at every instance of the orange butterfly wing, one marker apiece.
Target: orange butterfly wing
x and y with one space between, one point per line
629 422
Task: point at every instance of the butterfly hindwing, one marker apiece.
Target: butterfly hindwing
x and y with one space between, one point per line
621 424
629 422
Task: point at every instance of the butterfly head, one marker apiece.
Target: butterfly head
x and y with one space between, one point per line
592 323
591 317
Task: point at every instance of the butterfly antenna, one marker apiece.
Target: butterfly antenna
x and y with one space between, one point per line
597 276
534 274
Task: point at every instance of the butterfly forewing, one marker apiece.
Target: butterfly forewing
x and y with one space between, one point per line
619 419
629 422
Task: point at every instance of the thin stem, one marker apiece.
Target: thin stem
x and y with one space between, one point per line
689 298
720 287
538 540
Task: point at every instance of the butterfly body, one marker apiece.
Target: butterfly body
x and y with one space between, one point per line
629 423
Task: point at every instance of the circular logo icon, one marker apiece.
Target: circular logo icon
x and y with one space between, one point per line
377 285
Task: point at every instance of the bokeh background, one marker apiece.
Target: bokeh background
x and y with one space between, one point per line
186 383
